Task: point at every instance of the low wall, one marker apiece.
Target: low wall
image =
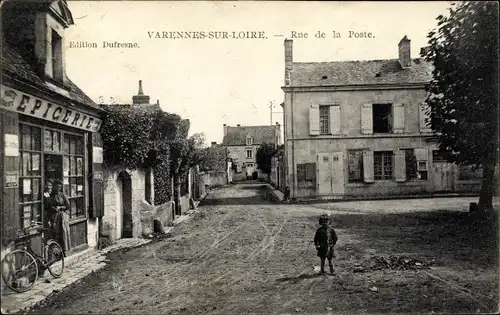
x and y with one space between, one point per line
184 203
163 213
215 178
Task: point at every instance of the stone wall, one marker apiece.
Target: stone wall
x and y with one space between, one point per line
163 213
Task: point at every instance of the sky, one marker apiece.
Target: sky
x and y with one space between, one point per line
228 81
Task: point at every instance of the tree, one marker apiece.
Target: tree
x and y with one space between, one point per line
463 94
263 157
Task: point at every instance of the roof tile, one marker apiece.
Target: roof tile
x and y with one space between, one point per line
260 134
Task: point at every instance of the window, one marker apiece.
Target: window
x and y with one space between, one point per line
355 160
73 178
306 173
57 62
30 177
249 140
422 170
383 165
148 183
410 164
249 153
382 118
324 119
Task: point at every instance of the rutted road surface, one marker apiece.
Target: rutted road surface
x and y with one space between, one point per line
244 254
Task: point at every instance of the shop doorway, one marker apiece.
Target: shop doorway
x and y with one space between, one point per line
53 167
124 224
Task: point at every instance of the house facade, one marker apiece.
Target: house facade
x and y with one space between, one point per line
242 142
358 128
48 128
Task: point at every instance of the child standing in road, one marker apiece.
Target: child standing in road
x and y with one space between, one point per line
324 240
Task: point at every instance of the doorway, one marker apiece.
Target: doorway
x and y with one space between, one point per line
53 167
124 224
330 174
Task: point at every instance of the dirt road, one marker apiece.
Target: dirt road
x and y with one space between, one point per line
243 254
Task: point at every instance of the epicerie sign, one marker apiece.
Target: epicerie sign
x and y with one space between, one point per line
14 100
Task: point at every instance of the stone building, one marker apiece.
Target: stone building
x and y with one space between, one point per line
358 128
47 128
242 143
129 194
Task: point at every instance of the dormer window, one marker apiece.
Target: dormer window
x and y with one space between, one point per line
249 140
57 59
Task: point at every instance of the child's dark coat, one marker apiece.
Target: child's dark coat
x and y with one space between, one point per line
324 240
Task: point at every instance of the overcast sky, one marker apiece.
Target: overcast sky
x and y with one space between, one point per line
230 81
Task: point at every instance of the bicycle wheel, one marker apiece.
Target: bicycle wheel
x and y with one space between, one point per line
19 270
55 258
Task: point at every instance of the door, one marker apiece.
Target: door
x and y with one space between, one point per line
119 208
330 174
442 176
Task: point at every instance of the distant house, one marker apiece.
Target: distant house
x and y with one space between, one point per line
242 143
358 128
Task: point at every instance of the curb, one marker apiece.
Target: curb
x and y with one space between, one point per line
277 198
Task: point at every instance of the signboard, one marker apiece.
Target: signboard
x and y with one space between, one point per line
20 102
97 155
11 145
11 179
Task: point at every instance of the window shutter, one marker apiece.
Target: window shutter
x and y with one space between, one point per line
400 165
9 201
399 118
423 116
314 120
368 166
422 154
366 119
96 176
335 120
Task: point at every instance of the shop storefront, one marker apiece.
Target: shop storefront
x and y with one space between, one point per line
46 140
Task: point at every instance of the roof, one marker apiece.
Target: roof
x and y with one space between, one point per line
147 107
344 73
260 134
15 66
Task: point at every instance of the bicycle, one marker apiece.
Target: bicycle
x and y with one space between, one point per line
20 268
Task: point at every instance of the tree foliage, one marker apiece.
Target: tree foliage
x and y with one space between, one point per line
213 159
463 94
264 155
136 138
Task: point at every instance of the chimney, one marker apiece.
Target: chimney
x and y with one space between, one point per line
238 125
404 52
140 98
158 101
213 144
225 129
288 60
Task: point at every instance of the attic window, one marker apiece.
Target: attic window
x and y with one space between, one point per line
249 140
377 75
324 77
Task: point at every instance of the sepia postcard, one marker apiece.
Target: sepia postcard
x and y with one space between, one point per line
249 157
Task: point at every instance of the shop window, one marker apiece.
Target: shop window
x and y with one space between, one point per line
355 166
383 165
52 140
73 173
30 177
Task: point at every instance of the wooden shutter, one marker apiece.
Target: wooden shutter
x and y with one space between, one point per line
422 154
368 166
399 118
400 165
366 119
9 171
423 116
96 176
335 120
314 120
